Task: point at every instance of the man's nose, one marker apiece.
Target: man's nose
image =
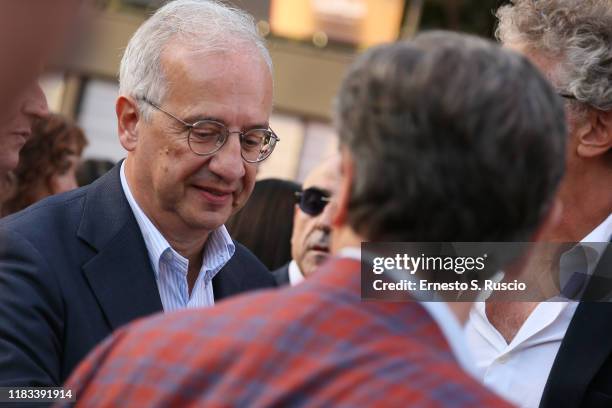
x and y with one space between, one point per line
36 103
324 219
227 163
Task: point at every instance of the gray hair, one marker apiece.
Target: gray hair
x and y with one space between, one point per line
206 25
577 33
453 138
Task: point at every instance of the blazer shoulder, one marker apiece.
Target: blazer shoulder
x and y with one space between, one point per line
281 275
245 255
245 263
50 214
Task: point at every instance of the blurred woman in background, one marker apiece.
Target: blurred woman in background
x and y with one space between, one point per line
47 163
265 223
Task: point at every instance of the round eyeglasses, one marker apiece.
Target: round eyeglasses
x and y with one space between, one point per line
206 137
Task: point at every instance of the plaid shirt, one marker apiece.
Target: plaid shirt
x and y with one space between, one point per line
316 344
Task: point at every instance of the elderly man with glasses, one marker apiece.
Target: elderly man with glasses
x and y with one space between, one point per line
148 236
311 224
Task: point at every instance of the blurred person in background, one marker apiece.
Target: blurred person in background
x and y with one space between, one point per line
31 33
193 109
265 223
440 119
311 224
92 169
555 354
16 125
47 163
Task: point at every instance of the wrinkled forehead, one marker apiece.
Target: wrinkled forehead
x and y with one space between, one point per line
186 50
244 65
325 176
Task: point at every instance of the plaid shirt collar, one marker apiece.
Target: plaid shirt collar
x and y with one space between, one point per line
444 318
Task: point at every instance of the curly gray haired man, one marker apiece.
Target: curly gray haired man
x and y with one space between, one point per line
559 354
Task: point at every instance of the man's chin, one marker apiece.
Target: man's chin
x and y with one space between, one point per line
205 220
9 162
316 258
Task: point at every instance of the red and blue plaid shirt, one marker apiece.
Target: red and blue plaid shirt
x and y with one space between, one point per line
316 344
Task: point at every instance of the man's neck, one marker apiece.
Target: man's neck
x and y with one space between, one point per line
587 202
509 317
586 197
347 238
183 239
461 310
344 238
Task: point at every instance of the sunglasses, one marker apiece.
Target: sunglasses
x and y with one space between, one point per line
312 200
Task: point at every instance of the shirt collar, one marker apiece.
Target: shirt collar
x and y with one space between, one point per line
295 275
444 318
601 233
584 257
596 242
219 246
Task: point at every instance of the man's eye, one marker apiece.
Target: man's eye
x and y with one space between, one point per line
252 141
205 134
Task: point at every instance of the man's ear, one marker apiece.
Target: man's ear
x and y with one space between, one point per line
128 116
343 195
597 141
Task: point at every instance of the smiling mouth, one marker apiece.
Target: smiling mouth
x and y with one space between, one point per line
214 196
319 248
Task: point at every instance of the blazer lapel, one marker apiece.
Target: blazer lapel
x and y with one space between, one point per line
120 274
584 348
225 282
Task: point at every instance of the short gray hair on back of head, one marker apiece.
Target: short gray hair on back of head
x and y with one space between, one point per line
453 139
577 33
205 25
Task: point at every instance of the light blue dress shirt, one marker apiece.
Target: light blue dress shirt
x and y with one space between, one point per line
171 268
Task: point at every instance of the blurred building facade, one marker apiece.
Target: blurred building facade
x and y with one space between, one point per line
312 42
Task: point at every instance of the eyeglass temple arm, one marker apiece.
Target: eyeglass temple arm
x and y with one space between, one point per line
187 125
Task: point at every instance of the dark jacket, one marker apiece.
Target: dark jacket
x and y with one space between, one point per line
73 268
581 375
281 275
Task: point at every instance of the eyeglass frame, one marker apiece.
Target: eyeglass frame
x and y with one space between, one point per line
240 133
325 198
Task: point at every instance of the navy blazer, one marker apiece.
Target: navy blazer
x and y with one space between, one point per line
581 375
281 275
73 268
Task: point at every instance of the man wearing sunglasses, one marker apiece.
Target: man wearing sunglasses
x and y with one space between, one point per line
148 236
311 224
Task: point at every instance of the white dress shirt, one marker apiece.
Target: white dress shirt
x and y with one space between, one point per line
295 275
171 268
519 370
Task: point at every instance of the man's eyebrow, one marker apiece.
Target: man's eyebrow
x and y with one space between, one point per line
194 119
197 118
258 126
